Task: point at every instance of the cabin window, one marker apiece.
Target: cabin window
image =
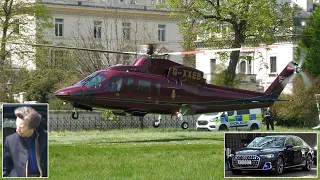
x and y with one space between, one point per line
144 86
158 87
130 84
96 81
114 84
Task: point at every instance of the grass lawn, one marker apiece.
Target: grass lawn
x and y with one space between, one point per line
139 154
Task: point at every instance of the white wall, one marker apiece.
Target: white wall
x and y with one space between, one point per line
78 21
282 52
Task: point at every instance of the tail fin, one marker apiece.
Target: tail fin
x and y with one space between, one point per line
274 90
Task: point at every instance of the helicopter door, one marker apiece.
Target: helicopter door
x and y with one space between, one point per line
157 93
144 90
174 93
113 87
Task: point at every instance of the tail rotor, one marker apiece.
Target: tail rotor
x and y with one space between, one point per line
298 69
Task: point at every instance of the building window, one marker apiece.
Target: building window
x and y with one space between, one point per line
243 67
213 65
273 64
58 27
162 1
97 29
133 2
126 28
162 33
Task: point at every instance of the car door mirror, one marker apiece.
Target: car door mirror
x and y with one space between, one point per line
289 146
245 145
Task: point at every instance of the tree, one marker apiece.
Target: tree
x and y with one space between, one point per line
106 34
17 21
21 21
310 41
235 23
302 111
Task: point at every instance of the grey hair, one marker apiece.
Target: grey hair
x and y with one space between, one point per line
29 115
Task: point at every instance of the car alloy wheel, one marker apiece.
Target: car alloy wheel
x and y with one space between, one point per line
307 166
279 166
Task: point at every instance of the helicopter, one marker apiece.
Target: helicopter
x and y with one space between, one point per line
157 85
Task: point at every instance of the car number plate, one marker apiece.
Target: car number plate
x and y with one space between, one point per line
246 162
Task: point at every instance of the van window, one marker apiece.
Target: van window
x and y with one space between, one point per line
245 111
230 113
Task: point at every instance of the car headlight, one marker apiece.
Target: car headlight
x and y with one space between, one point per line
231 155
267 156
214 119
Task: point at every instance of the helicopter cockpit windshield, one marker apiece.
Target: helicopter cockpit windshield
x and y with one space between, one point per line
94 80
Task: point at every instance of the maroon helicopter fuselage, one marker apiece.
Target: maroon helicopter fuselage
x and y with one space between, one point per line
163 87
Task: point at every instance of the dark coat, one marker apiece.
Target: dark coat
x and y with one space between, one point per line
15 154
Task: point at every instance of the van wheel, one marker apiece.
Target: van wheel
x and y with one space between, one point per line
254 127
223 127
184 125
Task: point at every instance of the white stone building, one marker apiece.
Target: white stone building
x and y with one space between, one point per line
119 25
263 66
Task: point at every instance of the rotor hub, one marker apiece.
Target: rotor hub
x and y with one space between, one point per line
298 69
147 49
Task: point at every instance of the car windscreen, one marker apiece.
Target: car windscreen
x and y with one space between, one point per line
211 114
267 142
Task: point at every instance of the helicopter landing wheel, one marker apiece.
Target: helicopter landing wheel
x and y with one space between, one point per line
156 123
75 115
184 125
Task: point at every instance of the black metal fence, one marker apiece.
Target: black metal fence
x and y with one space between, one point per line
66 123
62 121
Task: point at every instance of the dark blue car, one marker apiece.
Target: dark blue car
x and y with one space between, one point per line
272 153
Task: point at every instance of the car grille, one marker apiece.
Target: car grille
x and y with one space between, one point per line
246 161
202 122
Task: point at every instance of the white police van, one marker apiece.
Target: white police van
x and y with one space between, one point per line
247 119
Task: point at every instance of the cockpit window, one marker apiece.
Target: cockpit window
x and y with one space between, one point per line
267 142
94 81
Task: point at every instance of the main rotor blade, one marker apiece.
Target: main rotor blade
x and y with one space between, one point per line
292 77
74 48
306 79
217 50
302 57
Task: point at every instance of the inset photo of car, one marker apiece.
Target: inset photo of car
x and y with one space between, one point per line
271 155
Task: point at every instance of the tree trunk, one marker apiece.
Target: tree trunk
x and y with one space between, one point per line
7 10
230 73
